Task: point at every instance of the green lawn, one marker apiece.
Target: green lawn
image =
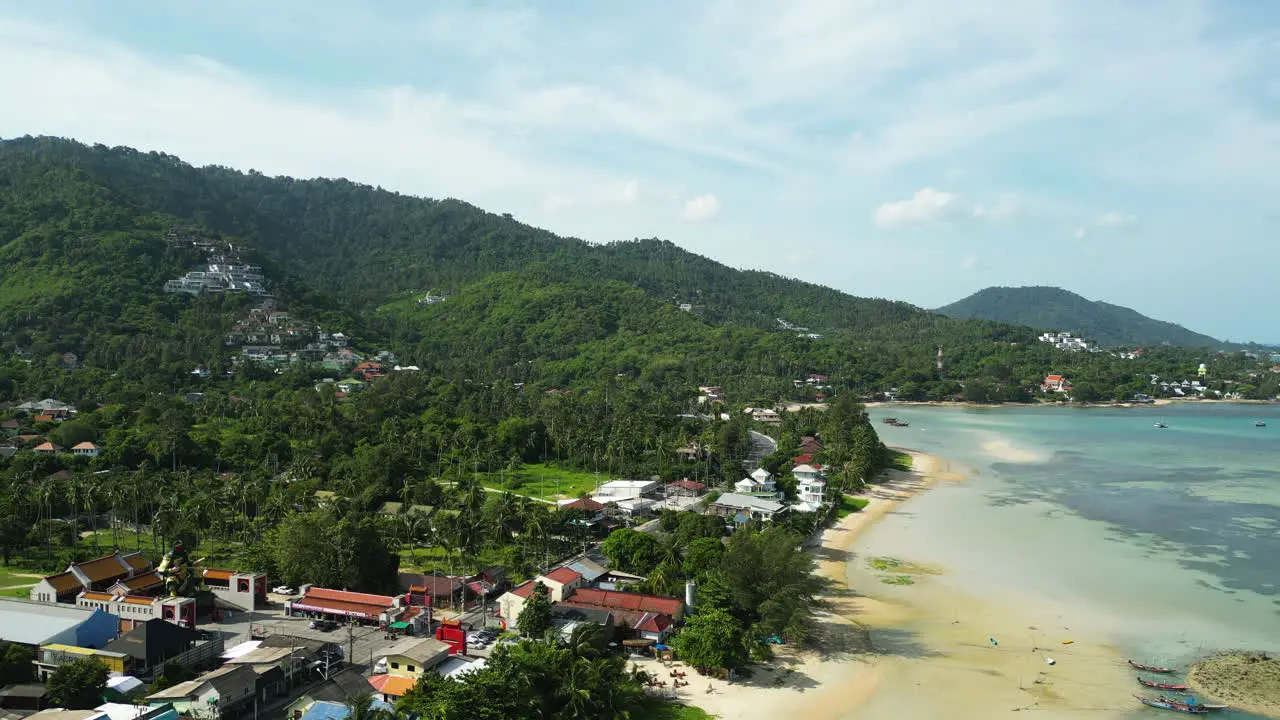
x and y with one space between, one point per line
545 481
433 559
850 505
16 592
9 577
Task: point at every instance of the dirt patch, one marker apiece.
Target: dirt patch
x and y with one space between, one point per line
1246 680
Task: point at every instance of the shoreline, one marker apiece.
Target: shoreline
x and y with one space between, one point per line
1157 402
845 670
880 644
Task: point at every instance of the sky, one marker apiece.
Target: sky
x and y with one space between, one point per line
910 149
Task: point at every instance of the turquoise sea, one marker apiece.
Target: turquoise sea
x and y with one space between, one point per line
1171 537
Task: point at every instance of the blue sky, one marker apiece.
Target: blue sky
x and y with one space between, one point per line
912 149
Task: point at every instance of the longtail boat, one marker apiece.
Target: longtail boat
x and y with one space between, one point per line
1161 685
1193 702
1150 668
1174 706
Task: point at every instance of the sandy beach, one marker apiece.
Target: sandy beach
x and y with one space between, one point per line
923 649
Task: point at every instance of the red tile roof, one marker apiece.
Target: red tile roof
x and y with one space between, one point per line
627 601
85 446
524 589
1052 378
563 575
217 574
691 485
137 600
97 596
655 622
346 602
47 447
802 459
584 504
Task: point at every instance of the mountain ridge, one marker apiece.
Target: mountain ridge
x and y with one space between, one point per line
1056 309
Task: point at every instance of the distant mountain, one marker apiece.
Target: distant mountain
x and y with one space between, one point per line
1051 308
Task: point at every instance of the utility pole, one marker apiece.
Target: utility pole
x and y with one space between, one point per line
351 640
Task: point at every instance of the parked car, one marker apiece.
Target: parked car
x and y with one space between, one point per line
478 639
282 590
323 625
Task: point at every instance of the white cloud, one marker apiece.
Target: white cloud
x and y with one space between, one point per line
702 207
927 205
968 263
1081 233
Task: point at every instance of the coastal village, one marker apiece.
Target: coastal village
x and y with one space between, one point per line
180 638
255 648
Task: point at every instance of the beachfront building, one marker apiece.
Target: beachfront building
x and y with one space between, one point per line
742 508
1055 383
560 583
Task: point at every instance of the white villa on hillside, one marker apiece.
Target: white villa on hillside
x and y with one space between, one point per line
761 481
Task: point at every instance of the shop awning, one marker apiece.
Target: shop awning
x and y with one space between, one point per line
399 626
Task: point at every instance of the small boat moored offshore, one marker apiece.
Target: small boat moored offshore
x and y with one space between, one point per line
1191 701
1259 424
1160 685
1173 705
1161 425
1150 668
888 421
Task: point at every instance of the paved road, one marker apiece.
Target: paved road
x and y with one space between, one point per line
761 446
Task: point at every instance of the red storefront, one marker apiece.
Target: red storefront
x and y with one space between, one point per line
342 605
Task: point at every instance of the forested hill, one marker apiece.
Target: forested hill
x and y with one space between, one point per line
365 244
1051 308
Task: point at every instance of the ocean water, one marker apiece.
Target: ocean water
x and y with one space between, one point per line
1170 537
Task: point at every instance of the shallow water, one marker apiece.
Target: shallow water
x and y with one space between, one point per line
1169 537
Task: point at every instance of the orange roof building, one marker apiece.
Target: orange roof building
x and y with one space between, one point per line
342 603
392 686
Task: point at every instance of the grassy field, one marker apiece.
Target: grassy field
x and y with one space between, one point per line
544 481
13 576
433 559
850 505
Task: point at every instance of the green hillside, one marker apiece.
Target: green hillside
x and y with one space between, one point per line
82 228
364 244
1051 308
